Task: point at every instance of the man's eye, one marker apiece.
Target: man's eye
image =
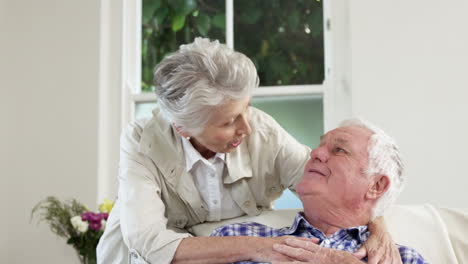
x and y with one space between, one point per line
340 150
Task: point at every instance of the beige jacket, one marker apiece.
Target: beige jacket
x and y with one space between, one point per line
158 199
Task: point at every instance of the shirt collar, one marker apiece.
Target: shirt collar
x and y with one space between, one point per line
360 233
192 156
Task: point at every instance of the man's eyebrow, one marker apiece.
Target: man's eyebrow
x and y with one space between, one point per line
341 140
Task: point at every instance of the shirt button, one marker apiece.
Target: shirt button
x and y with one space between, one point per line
212 175
215 201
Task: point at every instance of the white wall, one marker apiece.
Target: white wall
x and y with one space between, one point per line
409 75
48 108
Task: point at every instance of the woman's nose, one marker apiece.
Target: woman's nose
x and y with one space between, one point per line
244 127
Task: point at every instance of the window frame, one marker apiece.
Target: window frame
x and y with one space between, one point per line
120 76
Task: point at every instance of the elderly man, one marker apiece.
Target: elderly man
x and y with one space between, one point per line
351 178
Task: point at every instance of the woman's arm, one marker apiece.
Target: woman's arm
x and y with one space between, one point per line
143 221
207 250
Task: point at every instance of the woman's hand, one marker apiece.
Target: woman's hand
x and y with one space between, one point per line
380 247
307 251
263 250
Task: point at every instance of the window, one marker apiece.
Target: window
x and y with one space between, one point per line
301 61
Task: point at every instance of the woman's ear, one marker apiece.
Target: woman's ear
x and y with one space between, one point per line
379 187
179 131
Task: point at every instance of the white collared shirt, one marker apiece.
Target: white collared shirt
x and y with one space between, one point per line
208 178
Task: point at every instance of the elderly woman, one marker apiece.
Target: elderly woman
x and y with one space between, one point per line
205 155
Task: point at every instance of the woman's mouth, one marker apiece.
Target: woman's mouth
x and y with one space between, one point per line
236 143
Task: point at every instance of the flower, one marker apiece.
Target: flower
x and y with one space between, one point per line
96 220
103 224
96 226
106 206
79 225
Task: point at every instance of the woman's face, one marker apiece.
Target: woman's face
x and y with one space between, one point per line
225 130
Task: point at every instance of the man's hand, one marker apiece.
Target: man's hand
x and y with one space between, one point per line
380 247
304 251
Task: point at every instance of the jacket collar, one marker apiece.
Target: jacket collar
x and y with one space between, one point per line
192 156
238 164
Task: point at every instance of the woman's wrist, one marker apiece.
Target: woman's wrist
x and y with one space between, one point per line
377 225
252 247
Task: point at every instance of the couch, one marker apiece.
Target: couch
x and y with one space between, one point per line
439 234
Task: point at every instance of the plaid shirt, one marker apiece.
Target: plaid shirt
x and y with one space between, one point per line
349 239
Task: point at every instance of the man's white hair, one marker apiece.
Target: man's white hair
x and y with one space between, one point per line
198 77
383 158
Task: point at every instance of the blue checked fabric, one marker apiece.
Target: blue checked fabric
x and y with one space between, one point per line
349 239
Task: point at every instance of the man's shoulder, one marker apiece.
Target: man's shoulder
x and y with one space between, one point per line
410 255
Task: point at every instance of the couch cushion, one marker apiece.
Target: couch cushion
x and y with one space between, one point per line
422 228
456 221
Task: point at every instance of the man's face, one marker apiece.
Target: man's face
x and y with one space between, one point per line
335 174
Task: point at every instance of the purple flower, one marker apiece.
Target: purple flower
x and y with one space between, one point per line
85 216
95 218
104 216
95 225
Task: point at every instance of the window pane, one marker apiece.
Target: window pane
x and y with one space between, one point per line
166 24
283 38
302 117
143 110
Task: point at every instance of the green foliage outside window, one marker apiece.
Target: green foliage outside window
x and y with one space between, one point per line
283 38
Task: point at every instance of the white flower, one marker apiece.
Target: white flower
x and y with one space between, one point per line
103 224
80 225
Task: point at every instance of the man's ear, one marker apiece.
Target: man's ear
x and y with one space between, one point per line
179 131
379 187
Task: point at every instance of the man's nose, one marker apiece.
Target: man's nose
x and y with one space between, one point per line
319 154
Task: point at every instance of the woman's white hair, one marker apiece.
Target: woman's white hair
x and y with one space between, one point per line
384 158
201 75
